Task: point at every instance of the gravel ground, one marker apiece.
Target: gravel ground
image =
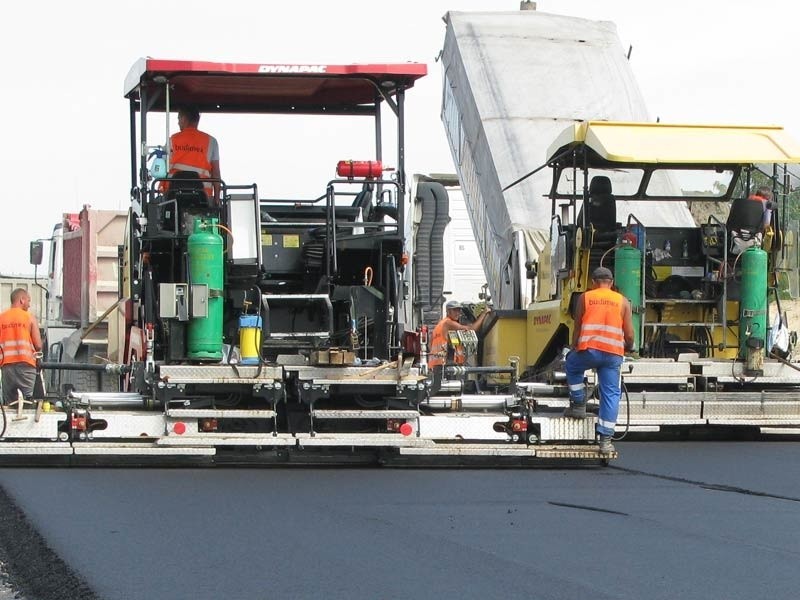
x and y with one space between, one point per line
26 560
7 591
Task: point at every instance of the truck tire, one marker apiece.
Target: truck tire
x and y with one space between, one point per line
89 381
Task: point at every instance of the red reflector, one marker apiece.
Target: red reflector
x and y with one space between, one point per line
78 423
208 424
179 428
406 429
359 168
519 425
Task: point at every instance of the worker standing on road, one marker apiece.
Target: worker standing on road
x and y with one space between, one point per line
603 332
20 342
192 150
441 352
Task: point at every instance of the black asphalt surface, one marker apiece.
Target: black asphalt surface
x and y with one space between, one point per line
667 520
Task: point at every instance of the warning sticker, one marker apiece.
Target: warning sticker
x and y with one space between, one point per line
291 241
266 239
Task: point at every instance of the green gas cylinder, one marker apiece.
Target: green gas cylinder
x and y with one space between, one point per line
753 299
628 279
205 249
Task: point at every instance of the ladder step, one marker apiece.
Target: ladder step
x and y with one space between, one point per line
34 448
217 413
228 439
365 414
137 449
389 440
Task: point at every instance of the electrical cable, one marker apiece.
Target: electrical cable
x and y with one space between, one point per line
624 388
737 377
2 406
232 364
230 234
261 360
614 247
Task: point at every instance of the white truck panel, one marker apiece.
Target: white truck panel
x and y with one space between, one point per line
463 269
513 81
37 292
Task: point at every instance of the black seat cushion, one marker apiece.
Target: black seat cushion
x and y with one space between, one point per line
601 207
745 216
187 188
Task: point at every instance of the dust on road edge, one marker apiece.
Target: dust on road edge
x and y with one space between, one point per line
34 569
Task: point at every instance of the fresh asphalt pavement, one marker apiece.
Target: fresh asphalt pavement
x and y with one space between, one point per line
667 520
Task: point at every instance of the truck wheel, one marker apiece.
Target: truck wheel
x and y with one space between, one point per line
81 381
89 381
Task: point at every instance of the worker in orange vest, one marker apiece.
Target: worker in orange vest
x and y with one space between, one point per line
602 334
194 151
20 347
441 352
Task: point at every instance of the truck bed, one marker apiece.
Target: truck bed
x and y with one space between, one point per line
512 82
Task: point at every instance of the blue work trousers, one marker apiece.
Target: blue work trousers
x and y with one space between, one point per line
607 366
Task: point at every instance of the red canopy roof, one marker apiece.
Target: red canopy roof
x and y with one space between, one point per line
265 87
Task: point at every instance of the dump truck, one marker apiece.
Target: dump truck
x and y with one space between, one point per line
512 81
82 320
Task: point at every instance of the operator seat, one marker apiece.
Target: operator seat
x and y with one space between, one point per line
602 205
744 223
363 200
602 216
187 189
187 192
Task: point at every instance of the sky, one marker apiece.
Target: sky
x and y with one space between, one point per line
64 120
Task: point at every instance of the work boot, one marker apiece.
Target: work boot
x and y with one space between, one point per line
576 411
606 447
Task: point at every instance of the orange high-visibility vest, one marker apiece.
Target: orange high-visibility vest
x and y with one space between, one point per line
438 350
190 150
601 327
15 337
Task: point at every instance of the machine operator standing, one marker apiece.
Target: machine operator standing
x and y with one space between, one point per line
602 334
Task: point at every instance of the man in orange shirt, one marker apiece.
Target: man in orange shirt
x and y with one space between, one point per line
603 332
20 342
194 151
440 351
